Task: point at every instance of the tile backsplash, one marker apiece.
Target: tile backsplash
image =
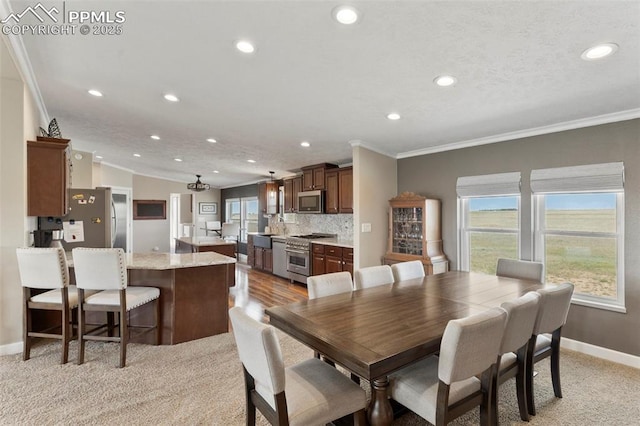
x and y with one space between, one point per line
296 224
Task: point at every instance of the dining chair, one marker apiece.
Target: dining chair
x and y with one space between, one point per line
308 393
329 284
523 269
105 269
46 269
213 226
373 276
230 231
521 318
552 315
407 270
440 389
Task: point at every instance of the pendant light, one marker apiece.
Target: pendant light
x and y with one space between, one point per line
198 186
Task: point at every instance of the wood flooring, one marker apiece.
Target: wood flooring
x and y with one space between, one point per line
255 291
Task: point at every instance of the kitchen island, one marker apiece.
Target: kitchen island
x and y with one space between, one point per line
203 244
194 293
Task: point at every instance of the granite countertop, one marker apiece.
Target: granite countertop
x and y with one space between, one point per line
170 260
334 242
204 241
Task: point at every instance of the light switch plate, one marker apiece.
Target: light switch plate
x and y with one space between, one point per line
366 227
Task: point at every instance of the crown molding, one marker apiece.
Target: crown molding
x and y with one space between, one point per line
536 131
359 143
19 54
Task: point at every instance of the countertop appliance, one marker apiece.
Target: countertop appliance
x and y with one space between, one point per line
311 202
91 220
297 249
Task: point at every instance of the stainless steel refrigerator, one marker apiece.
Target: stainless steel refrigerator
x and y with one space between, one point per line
91 221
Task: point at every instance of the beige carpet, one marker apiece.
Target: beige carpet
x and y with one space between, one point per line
200 382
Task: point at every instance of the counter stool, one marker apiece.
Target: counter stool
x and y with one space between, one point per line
46 269
105 269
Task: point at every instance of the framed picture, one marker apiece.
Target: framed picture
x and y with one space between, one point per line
149 209
207 208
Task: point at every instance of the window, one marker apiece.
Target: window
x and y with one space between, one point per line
489 220
243 211
579 230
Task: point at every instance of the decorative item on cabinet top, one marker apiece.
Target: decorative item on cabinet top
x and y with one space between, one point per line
54 130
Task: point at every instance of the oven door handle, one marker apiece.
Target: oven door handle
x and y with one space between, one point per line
296 251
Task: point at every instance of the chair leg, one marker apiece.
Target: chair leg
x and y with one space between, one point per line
555 362
81 327
521 380
110 323
531 406
26 325
64 325
157 321
124 337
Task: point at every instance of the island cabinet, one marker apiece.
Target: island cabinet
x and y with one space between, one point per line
415 232
313 177
291 188
339 195
268 197
48 176
327 259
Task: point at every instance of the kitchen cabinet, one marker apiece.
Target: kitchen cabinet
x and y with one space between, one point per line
313 177
339 195
291 188
268 197
415 232
327 259
48 176
259 253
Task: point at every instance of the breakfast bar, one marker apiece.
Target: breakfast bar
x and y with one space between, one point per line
194 293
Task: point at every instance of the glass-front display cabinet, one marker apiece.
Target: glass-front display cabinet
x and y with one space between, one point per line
415 232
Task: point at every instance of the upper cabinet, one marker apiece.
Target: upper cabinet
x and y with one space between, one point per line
313 177
339 186
268 197
48 176
291 188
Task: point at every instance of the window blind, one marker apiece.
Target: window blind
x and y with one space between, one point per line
588 178
488 185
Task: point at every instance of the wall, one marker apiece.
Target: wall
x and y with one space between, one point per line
435 175
374 184
82 169
19 121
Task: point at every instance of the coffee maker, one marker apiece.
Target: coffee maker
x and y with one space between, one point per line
48 237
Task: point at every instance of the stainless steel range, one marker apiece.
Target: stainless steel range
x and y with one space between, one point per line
298 249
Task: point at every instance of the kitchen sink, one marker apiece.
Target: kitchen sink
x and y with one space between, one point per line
262 240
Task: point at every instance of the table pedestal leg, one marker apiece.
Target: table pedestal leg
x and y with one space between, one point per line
379 412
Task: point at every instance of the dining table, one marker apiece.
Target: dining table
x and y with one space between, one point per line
375 331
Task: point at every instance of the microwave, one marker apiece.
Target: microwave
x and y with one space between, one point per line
311 202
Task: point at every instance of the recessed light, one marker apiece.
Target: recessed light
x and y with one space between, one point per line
171 98
155 137
305 144
599 51
346 15
99 157
393 116
251 161
95 92
178 159
212 140
137 155
245 46
215 171
445 80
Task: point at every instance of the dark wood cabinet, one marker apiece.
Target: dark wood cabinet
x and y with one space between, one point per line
48 176
259 257
268 197
327 259
339 195
291 188
317 260
313 177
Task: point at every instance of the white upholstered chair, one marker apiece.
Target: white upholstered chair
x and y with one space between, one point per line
46 269
552 315
213 226
522 313
308 393
407 270
105 269
373 276
329 284
439 389
230 231
522 269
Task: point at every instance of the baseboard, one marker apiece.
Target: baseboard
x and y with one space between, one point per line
11 348
600 352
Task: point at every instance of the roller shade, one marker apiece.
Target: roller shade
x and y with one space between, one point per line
488 185
588 178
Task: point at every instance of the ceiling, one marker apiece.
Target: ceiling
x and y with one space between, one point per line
312 79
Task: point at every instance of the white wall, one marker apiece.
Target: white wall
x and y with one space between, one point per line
19 120
374 184
82 169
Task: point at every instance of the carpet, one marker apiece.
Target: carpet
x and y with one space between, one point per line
200 382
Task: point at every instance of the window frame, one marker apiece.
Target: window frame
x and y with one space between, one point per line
243 213
540 232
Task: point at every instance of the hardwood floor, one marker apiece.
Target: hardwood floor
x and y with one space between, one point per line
255 291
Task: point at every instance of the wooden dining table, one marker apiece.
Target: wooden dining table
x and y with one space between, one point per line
376 331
